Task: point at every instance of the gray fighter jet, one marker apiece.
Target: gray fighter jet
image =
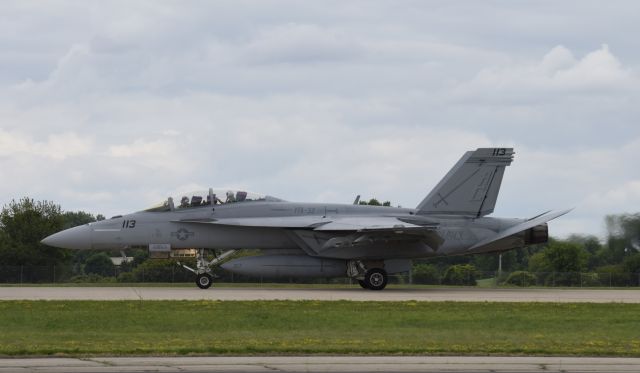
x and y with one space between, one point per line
363 242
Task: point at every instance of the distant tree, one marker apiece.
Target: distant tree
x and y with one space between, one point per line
375 202
460 274
100 217
99 264
631 265
76 218
560 256
158 270
425 274
589 242
24 224
593 246
623 236
139 257
521 278
560 263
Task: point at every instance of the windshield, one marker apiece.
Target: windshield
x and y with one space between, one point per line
211 197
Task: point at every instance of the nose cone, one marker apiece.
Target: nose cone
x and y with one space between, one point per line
76 238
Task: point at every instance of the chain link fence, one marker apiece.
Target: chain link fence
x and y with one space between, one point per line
169 272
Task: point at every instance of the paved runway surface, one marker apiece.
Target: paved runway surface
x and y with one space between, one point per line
323 364
264 293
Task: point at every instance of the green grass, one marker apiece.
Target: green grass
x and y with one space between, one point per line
80 328
487 283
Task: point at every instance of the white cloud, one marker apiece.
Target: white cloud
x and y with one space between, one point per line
141 148
300 43
558 73
108 108
624 198
57 146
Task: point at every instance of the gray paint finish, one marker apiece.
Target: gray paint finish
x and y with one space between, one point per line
328 238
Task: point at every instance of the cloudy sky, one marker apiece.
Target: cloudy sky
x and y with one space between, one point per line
108 107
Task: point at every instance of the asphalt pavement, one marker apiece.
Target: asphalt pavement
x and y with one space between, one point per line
322 364
355 294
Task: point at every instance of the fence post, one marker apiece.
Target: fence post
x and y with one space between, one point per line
54 273
21 270
609 279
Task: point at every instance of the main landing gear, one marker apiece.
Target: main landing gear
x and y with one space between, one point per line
203 271
373 278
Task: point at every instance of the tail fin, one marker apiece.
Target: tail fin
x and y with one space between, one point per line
471 187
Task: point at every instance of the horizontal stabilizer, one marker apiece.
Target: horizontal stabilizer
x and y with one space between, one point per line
541 219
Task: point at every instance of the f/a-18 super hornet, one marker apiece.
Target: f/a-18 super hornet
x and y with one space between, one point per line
366 243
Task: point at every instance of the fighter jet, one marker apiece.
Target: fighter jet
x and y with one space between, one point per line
366 243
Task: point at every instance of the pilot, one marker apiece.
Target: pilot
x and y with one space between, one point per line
230 196
184 202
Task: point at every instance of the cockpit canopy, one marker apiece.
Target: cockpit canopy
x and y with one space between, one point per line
211 197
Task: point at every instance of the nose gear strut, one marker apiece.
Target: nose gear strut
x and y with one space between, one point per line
203 270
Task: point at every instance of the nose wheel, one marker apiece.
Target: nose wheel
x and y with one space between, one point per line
204 280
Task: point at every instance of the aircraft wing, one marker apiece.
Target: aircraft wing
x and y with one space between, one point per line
365 223
318 223
540 219
308 222
318 234
348 234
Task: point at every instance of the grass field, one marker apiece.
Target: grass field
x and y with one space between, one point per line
289 327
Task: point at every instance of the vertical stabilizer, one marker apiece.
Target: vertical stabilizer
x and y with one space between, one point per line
471 187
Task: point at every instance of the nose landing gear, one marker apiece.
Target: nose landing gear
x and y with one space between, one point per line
204 280
203 271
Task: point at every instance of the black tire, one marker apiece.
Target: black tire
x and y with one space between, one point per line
204 280
363 284
376 279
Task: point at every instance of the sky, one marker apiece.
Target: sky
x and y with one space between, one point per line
111 106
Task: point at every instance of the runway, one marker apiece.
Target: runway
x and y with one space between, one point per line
353 294
323 364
